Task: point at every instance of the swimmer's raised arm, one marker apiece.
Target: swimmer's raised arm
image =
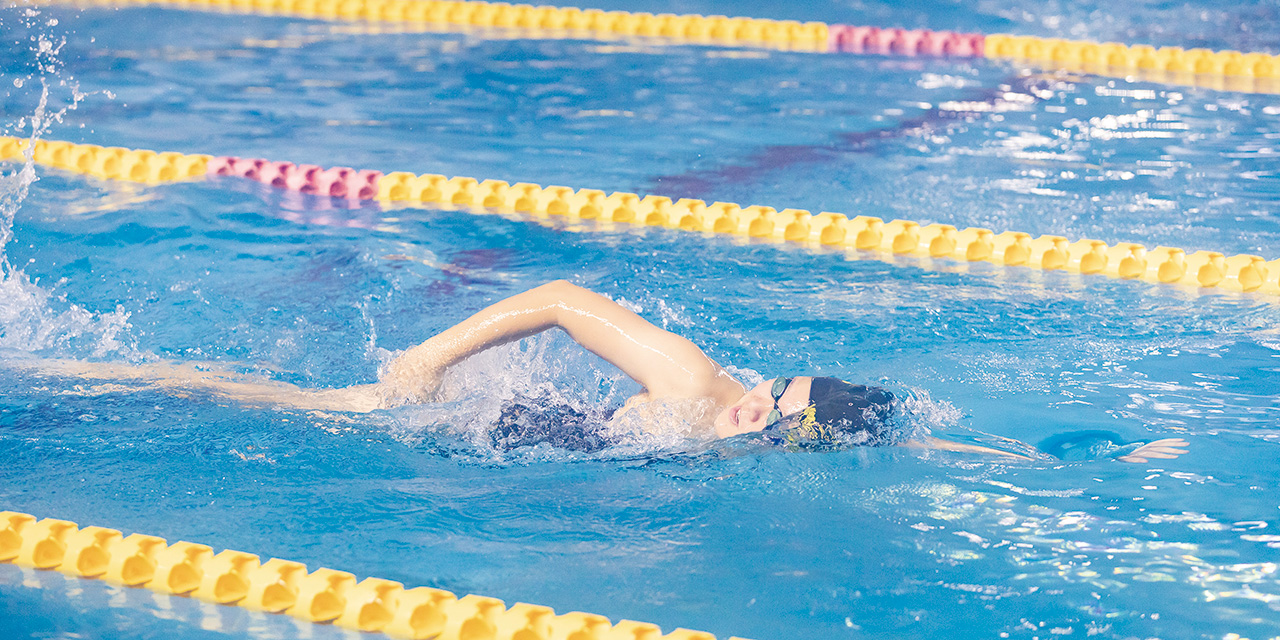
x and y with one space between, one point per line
665 364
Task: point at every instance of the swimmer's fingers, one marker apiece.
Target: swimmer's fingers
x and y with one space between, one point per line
1147 456
1131 458
1164 449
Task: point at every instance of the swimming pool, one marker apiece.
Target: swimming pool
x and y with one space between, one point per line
731 537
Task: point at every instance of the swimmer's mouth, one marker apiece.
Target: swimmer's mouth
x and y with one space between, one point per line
733 415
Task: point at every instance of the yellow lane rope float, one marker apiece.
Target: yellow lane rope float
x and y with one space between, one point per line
1125 260
281 586
1229 70
1222 70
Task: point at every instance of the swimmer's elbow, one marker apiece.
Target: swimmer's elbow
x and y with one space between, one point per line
559 289
568 302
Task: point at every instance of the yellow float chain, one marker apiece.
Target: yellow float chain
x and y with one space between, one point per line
1222 70
1229 70
113 163
549 21
281 586
1126 260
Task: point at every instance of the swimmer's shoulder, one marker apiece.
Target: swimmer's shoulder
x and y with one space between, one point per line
721 390
719 386
665 415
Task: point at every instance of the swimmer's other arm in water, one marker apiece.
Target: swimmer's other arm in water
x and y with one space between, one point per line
1166 448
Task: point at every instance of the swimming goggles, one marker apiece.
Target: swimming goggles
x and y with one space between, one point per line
780 385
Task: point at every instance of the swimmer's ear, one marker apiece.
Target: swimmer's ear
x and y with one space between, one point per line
1164 449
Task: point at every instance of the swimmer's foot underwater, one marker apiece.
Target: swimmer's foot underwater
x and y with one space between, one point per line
801 411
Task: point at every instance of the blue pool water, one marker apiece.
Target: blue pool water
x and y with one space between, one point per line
732 537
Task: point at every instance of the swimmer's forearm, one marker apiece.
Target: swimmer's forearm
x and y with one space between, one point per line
948 445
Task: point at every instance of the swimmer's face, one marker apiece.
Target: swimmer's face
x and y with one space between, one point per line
751 411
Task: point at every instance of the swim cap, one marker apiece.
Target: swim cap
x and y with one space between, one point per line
840 411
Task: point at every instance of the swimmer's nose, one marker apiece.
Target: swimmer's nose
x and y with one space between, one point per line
754 410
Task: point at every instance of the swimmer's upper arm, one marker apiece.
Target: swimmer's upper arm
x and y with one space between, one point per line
666 364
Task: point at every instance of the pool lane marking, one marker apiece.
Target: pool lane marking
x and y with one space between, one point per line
1222 70
280 586
1124 260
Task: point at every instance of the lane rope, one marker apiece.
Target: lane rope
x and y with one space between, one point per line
1124 260
1222 70
241 579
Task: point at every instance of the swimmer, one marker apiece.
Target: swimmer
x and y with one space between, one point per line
798 410
801 409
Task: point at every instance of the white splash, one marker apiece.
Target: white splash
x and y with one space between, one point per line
919 414
33 318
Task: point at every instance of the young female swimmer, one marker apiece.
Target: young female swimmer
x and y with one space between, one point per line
802 409
799 409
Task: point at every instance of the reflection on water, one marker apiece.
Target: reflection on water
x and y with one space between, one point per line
33 599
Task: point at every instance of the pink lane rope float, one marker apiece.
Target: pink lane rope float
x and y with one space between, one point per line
846 38
337 182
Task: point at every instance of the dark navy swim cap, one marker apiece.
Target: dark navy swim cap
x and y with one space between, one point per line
839 411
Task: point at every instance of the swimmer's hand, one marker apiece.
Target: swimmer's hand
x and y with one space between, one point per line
410 380
1165 449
